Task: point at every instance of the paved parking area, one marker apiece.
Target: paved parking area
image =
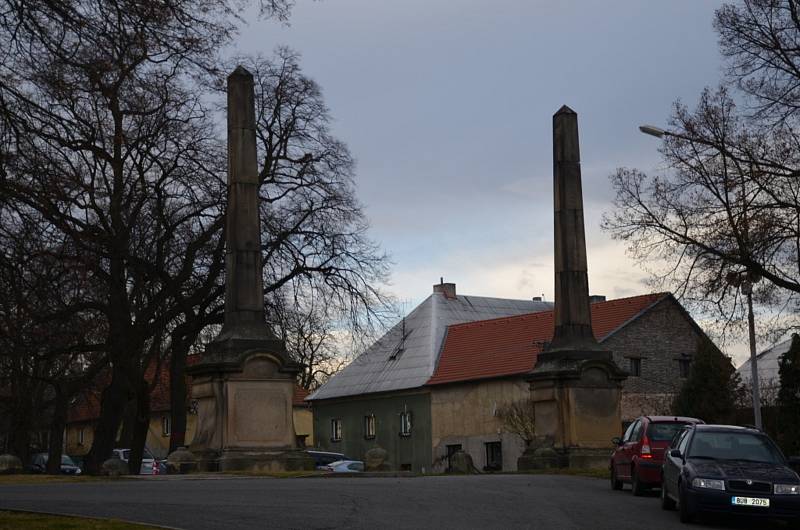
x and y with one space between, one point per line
441 502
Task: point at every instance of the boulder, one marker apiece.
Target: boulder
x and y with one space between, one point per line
181 461
377 459
114 467
461 463
10 464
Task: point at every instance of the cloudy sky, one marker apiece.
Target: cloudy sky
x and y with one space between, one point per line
447 105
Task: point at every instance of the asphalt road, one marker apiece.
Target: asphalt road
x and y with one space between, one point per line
441 502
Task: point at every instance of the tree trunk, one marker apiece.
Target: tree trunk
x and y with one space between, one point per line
57 424
177 394
112 406
141 425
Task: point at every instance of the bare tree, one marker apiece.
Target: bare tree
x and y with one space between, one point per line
727 207
519 417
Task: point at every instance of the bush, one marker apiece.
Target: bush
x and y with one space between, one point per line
712 389
789 399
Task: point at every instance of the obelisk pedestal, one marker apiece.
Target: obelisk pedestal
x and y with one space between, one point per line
244 382
575 385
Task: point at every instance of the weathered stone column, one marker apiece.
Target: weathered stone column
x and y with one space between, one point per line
573 321
575 385
244 382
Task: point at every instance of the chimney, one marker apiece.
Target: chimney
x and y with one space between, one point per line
594 298
537 298
447 289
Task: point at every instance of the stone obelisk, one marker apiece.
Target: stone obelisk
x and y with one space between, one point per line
575 385
244 382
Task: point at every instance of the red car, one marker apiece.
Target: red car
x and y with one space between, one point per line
639 454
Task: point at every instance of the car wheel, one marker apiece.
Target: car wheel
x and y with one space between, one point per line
637 486
685 511
666 501
615 483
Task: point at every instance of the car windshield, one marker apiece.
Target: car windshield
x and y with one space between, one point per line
663 432
67 461
733 446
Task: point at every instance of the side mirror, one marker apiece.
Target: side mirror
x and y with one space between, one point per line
616 440
675 453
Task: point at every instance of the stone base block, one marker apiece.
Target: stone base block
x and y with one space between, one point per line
589 458
541 458
574 457
257 461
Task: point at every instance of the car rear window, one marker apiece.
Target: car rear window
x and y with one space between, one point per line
663 431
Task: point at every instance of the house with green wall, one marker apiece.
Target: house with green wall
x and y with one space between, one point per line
380 399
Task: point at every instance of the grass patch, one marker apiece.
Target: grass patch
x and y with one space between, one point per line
16 480
26 520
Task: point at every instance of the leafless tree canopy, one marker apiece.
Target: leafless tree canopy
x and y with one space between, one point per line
112 150
726 210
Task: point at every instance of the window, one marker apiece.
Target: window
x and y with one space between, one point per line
336 430
369 426
451 450
636 435
165 425
494 456
683 366
629 433
635 366
80 436
405 423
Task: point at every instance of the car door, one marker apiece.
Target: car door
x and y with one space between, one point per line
674 464
619 451
629 448
624 469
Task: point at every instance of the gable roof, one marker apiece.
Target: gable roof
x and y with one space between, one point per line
510 345
405 357
768 364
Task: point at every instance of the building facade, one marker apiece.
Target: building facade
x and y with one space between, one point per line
480 368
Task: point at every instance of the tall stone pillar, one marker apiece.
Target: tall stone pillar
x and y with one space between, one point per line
244 382
575 385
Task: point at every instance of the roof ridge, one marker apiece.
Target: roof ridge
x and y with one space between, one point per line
478 323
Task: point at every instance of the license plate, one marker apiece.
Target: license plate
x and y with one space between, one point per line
750 501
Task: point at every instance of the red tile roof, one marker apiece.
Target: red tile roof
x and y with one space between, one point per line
509 345
298 399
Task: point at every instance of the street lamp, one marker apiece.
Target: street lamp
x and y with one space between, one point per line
745 282
652 130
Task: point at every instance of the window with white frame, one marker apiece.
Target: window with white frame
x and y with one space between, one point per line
165 425
405 423
369 426
336 429
80 436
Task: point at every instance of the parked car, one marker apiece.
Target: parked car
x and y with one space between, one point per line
39 464
323 458
729 469
148 460
345 466
639 454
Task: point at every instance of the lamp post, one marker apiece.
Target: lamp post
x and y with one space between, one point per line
744 280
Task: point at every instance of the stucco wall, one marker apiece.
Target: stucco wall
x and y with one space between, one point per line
466 414
413 450
304 424
659 338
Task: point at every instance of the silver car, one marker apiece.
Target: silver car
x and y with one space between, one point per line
148 460
345 466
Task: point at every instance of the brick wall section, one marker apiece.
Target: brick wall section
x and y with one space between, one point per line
659 337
